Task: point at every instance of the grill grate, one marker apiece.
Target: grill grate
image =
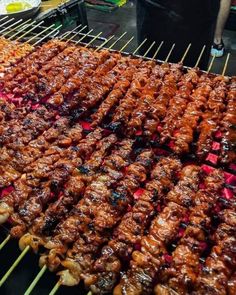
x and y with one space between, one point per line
35 34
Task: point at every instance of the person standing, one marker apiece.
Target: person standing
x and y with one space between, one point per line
180 22
218 47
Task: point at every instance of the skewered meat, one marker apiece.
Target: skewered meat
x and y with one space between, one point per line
100 201
128 233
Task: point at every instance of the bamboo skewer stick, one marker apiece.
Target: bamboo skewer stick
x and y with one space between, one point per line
55 288
49 34
64 35
8 27
8 21
211 63
36 280
148 50
140 45
104 43
158 49
93 39
169 54
32 29
5 17
86 35
185 53
13 29
117 40
200 56
21 30
126 44
226 64
40 33
14 265
76 34
5 241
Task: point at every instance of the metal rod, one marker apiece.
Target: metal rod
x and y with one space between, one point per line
185 53
211 63
5 29
64 35
40 33
158 49
94 38
169 54
153 43
105 42
5 242
5 17
67 40
14 265
36 280
126 44
117 40
226 64
55 288
44 37
86 35
21 30
32 29
22 24
140 45
200 56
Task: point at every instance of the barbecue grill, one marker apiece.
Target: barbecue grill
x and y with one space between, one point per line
19 271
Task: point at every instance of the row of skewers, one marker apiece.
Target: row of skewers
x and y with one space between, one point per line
12 32
162 102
